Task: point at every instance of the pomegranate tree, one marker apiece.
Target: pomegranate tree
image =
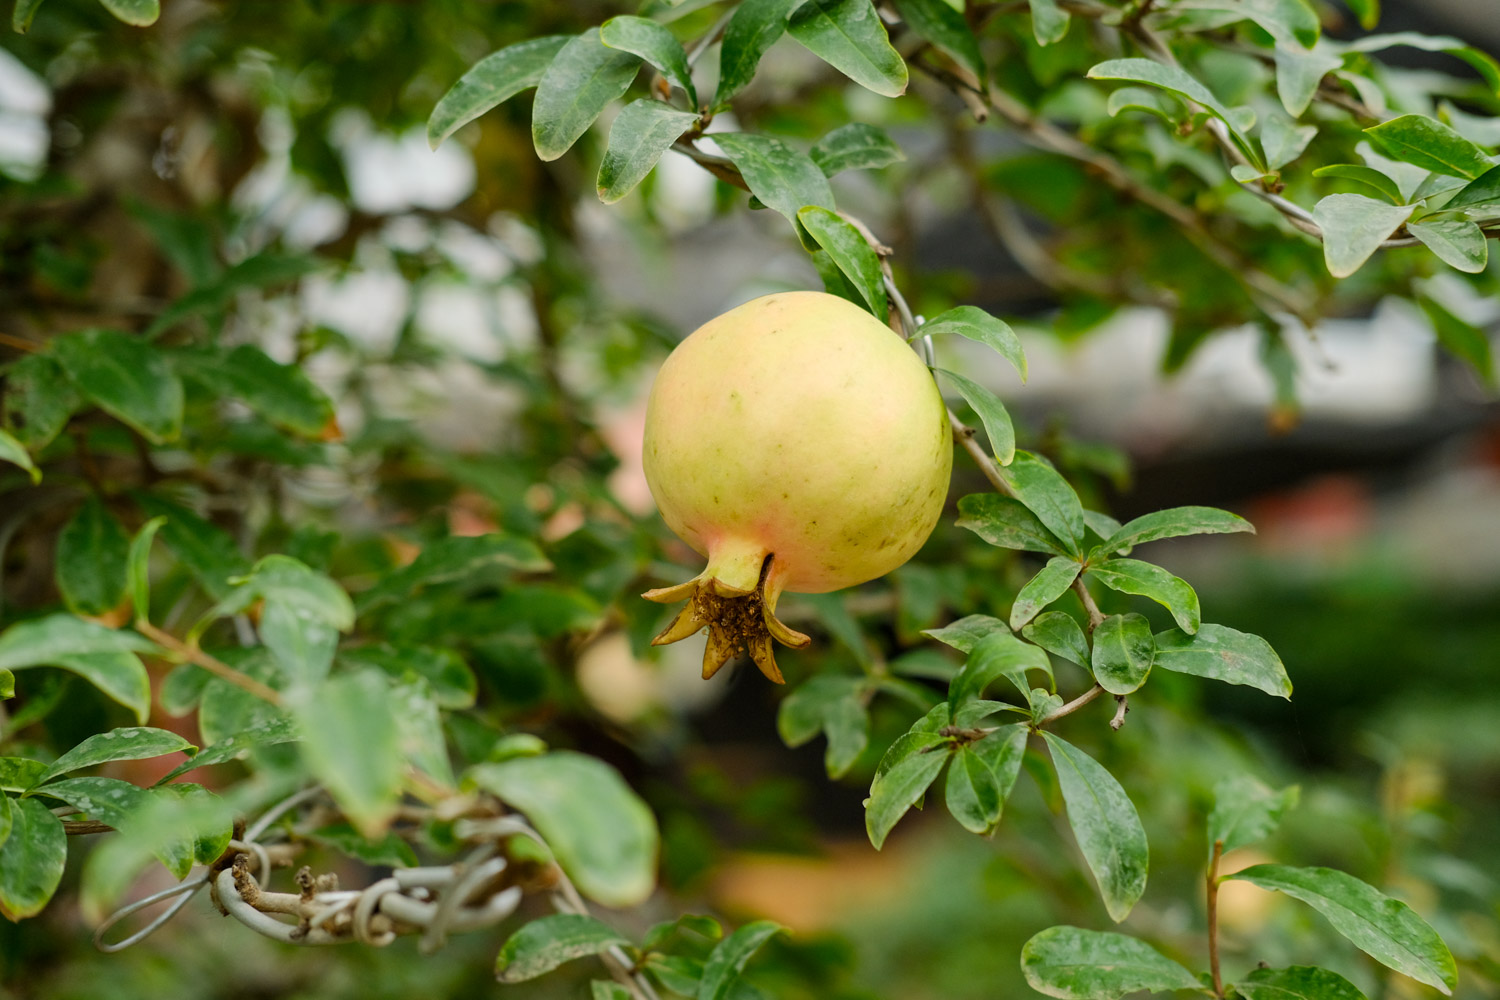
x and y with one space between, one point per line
800 445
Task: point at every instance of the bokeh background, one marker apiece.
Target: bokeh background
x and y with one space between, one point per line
488 330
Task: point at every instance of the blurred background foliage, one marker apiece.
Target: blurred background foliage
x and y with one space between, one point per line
258 173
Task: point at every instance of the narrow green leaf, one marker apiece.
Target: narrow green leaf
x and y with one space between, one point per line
279 730
1368 12
937 22
207 550
1386 929
727 960
1482 62
783 178
1292 23
966 633
1051 583
1039 486
753 28
1164 106
661 933
1368 176
20 18
6 820
1132 576
547 942
1077 964
1431 145
129 743
490 82
31 859
39 399
354 710
600 831
639 135
1299 72
656 45
1482 190
1000 654
980 327
848 35
992 414
14 452
40 641
1123 653
1461 338
1007 523
1221 653
851 252
283 394
92 553
1174 522
1353 228
981 777
1049 22
138 568
1106 825
583 78
898 789
136 12
127 377
1299 982
1059 634
1458 243
855 146
1178 82
1246 811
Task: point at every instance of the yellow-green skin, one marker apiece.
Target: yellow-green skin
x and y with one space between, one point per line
796 425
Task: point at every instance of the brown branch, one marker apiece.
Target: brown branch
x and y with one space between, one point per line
212 664
1071 706
20 344
1095 615
1213 917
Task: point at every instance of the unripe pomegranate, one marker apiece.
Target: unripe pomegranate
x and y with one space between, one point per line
800 445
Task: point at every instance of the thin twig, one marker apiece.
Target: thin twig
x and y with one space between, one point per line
18 343
212 664
1082 590
1071 706
1122 705
1213 917
713 35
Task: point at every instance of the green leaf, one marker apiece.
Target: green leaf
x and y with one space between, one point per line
1049 22
104 657
1059 633
966 633
1007 523
1386 929
1353 228
137 12
661 933
129 743
493 80
17 774
354 710
31 859
1106 825
753 28
127 377
39 399
1482 62
1246 811
1368 12
1462 339
302 646
1292 23
547 942
138 568
1077 964
1299 72
992 414
269 733
315 596
1000 654
452 680
897 789
1431 145
676 973
937 22
607 989
1368 176
207 550
1034 482
263 270
1458 243
1221 653
20 18
108 800
423 742
1132 576
1482 190
577 85
981 776
727 960
851 252
283 394
7 684
848 35
1174 522
1283 139
832 704
980 327
1299 982
14 452
656 45
855 146
452 559
638 137
1178 82
1123 652
178 824
92 553
780 176
389 851
1041 590
5 819
600 831
1163 106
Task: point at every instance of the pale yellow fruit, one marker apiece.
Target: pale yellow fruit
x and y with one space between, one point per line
800 445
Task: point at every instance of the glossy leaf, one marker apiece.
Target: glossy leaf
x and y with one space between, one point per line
780 176
108 800
980 327
1246 811
39 398
1431 145
1000 654
1482 190
127 377
1059 634
639 135
656 45
849 36
130 743
1007 523
1299 982
1049 22
1386 929
1132 576
727 960
104 657
493 80
851 252
135 12
278 730
992 414
581 81
966 633
1036 484
1105 823
1173 523
1123 653
354 710
1178 82
600 831
545 943
981 776
919 756
1079 964
31 859
937 22
92 552
17 774
753 28
1353 228
855 146
1458 243
1368 176
1224 654
1051 583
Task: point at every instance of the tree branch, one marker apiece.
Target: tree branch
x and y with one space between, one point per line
212 664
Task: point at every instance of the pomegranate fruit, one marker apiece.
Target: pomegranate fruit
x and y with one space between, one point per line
801 446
